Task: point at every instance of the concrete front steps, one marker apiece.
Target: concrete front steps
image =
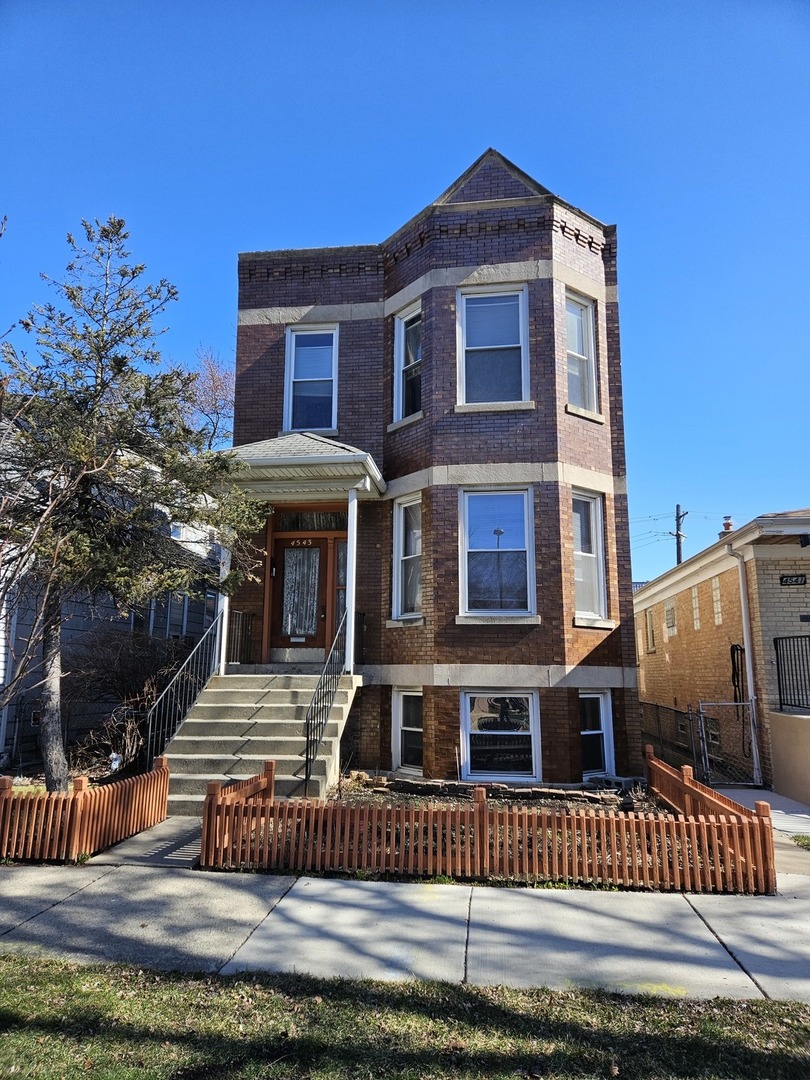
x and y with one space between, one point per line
241 721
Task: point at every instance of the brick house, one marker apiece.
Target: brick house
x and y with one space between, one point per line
731 624
437 423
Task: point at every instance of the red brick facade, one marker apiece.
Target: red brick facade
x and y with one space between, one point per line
494 228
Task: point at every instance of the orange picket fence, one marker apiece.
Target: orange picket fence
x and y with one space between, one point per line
246 829
54 827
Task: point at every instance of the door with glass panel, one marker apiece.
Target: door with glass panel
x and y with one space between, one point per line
299 593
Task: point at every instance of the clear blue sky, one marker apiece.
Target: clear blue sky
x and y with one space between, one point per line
216 127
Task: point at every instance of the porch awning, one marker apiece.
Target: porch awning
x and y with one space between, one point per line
305 466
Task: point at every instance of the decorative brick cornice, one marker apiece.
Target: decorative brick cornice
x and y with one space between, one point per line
573 232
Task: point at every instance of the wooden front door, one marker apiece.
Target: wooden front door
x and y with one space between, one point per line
299 593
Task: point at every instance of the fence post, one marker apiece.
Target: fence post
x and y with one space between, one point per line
79 825
270 776
6 784
649 754
481 831
687 778
763 811
209 818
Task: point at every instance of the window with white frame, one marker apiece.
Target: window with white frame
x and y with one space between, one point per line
582 388
406 742
695 608
407 590
589 556
596 733
500 734
493 346
497 557
407 363
310 395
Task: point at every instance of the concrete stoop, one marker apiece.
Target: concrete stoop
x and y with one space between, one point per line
241 721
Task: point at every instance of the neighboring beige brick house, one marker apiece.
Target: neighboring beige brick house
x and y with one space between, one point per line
447 404
733 623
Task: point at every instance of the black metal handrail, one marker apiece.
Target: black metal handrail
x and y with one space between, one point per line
793 671
190 679
321 704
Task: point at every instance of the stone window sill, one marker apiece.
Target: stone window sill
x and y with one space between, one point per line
495 406
586 414
488 620
417 620
405 421
326 432
594 624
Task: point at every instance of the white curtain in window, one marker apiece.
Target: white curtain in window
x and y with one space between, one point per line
300 613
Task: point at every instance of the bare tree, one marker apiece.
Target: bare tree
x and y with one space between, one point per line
212 399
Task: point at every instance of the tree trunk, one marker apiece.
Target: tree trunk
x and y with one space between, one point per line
53 749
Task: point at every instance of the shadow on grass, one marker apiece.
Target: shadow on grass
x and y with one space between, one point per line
188 1027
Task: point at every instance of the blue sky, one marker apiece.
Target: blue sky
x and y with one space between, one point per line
215 127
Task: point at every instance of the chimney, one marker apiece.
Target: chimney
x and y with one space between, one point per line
728 526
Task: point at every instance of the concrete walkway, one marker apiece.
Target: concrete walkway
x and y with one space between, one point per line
140 904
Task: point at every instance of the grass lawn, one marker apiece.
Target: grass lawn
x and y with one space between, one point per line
802 841
62 1020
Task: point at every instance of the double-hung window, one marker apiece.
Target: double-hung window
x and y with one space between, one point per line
589 556
407 590
582 388
493 347
500 734
497 553
310 396
407 363
596 733
406 749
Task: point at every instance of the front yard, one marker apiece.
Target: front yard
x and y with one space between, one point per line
61 1020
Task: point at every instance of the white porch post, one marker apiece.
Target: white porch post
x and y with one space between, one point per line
223 635
351 579
224 608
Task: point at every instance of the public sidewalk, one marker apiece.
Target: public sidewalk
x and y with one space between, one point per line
139 903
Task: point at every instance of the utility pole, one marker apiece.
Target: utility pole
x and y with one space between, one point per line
679 536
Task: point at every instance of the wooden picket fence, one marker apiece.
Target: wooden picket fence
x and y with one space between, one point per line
244 828
55 827
679 788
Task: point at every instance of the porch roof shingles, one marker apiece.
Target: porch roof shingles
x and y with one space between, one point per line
305 464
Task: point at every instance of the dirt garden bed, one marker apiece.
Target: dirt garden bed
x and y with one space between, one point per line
362 787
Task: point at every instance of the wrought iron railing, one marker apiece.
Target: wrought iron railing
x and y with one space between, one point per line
321 704
793 671
191 678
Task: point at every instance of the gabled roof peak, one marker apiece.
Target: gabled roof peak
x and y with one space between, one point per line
490 178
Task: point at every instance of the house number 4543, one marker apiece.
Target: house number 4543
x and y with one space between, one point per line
301 543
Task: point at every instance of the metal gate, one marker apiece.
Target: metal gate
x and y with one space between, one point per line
718 740
727 739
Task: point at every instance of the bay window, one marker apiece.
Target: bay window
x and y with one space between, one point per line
498 556
579 321
589 556
493 346
407 364
407 578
